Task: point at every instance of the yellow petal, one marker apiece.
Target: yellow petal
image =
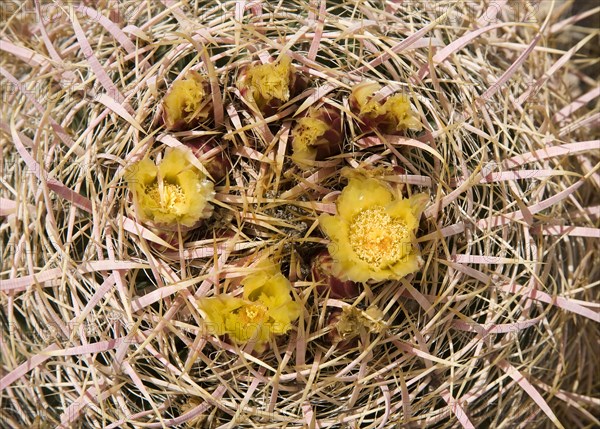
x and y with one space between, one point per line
283 316
363 94
218 311
307 132
174 162
402 209
408 265
238 330
359 195
197 193
142 172
276 291
418 202
350 267
255 282
399 113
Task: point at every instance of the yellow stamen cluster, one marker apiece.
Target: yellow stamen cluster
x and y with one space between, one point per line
169 197
377 238
253 313
271 81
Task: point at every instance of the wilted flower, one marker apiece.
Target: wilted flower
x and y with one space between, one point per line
173 195
322 272
269 85
349 322
316 136
265 310
372 235
187 103
390 115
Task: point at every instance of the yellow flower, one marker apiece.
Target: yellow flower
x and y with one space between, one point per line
173 194
361 99
399 114
268 85
372 236
391 115
265 310
187 103
317 136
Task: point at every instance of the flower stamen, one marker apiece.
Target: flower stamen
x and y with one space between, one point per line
253 313
377 238
169 195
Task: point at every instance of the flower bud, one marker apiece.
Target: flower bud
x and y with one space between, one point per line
211 155
188 103
271 85
399 115
317 136
392 115
321 268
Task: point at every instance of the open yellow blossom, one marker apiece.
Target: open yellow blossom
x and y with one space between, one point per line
187 103
266 309
172 195
372 235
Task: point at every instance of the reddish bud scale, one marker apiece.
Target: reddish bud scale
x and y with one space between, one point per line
367 122
333 136
211 155
171 237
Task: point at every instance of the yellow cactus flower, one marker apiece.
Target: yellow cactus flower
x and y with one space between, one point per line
187 103
172 195
372 235
399 114
361 98
391 115
268 85
266 309
316 136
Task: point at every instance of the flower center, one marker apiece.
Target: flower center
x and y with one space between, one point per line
377 238
171 195
253 313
